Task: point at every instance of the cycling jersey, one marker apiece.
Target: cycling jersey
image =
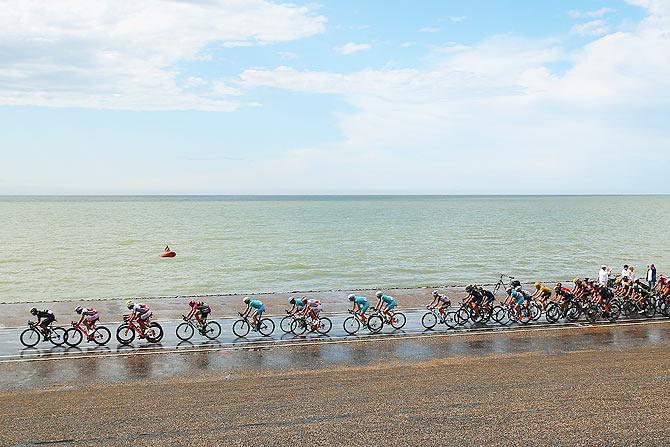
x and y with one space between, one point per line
444 299
544 290
257 304
299 303
362 303
390 302
476 296
490 297
90 314
203 308
140 309
46 315
517 297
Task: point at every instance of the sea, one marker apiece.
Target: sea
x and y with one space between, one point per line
70 248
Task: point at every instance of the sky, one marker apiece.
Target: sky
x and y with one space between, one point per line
334 97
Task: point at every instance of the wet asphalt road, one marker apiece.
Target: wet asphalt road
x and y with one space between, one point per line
49 365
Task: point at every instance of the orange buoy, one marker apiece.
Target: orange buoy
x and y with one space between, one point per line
168 254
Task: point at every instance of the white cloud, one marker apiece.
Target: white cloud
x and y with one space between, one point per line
457 18
225 90
351 48
576 14
121 55
406 44
592 28
428 29
497 107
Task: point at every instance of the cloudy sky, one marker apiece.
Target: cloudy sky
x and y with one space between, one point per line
258 97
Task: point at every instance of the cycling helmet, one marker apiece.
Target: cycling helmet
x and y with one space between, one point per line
33 310
247 300
538 285
436 293
192 303
352 297
291 300
78 309
379 294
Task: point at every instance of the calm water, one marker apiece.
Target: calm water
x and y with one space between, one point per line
69 248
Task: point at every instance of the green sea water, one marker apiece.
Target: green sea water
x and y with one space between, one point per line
60 248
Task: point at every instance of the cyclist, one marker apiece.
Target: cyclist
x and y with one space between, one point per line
255 308
296 304
639 293
200 310
474 298
564 294
360 305
440 302
385 303
519 299
44 319
488 296
312 308
542 294
141 313
88 316
604 297
663 286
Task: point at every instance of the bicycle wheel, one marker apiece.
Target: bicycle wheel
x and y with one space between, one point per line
351 325
298 326
74 337
241 328
500 315
375 323
101 335
553 313
266 327
285 323
398 320
325 325
615 311
30 337
185 331
154 333
524 315
535 311
58 336
573 313
429 320
649 309
592 313
450 320
125 334
462 316
212 330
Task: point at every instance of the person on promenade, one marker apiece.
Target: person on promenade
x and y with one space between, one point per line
604 275
651 276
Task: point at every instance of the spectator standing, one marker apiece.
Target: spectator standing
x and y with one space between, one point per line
651 276
604 275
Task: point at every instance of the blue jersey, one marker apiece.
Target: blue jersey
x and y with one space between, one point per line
256 304
360 300
387 299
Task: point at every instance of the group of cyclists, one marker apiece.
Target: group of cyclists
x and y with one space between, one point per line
479 301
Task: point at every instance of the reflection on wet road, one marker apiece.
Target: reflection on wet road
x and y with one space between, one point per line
285 352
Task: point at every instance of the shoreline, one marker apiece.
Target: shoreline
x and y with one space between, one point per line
236 294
